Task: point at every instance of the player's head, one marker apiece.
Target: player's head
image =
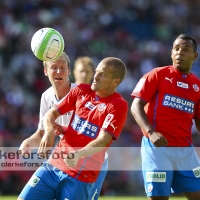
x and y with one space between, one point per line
58 70
83 70
184 53
190 38
109 74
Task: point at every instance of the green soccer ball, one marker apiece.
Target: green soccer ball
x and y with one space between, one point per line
47 44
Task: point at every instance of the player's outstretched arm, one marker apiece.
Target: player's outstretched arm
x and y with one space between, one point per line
137 110
48 137
32 142
93 147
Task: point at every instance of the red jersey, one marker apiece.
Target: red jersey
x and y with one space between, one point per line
173 101
92 114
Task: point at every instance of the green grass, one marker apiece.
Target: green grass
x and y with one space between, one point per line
136 198
103 198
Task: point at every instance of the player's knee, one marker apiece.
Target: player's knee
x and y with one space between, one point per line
20 199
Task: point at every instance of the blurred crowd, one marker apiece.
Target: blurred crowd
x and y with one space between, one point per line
138 32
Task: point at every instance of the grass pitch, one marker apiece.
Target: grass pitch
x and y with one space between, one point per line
103 198
136 198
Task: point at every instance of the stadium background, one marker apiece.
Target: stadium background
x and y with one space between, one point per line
138 32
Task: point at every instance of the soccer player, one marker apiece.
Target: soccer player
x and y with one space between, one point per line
58 72
166 100
97 110
83 70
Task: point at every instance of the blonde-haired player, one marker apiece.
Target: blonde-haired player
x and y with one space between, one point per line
83 70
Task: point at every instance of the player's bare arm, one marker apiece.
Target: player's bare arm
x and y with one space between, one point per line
58 129
137 110
93 147
197 124
32 142
49 124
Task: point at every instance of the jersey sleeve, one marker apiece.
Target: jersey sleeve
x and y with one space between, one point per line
69 101
147 86
115 118
43 110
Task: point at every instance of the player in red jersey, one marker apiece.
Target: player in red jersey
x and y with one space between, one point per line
97 120
83 71
166 100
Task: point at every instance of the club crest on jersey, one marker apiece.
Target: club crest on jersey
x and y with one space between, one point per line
84 127
90 105
178 103
195 87
102 107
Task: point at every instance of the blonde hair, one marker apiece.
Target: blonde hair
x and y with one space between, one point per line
63 56
118 67
85 61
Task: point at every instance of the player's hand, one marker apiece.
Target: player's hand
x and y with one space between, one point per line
46 144
25 148
72 159
158 139
58 129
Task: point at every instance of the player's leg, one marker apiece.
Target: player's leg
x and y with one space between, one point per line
38 191
71 188
99 182
158 198
192 195
187 177
157 170
38 187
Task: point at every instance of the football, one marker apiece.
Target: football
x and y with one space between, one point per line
47 44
